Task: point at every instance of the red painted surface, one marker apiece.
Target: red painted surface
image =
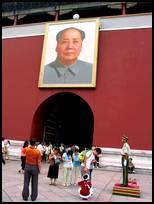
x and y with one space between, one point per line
121 102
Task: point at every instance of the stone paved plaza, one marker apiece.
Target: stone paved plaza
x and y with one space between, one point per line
102 181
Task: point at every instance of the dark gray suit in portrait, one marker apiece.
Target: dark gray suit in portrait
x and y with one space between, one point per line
57 73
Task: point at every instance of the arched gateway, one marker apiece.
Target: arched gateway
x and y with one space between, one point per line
64 118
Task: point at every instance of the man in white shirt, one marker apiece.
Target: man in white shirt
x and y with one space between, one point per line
89 159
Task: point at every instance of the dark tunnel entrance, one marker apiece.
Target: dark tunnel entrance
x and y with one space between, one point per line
67 119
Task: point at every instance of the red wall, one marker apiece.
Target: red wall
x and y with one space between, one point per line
121 102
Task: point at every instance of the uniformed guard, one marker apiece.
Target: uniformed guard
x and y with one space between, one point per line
125 152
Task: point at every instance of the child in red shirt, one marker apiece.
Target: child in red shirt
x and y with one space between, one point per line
85 190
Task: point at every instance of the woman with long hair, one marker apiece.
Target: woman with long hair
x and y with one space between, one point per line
54 160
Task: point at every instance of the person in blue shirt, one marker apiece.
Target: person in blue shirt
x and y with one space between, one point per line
76 166
67 167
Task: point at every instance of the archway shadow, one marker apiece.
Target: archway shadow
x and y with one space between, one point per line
64 118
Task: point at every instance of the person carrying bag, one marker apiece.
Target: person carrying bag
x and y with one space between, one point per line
54 161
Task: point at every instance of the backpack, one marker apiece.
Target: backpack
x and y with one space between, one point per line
82 155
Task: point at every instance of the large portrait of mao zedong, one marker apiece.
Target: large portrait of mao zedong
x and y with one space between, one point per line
69 56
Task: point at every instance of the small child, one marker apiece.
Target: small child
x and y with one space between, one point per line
85 190
131 166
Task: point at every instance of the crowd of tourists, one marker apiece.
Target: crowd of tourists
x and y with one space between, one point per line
76 162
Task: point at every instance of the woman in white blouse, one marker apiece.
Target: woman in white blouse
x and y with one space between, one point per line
67 167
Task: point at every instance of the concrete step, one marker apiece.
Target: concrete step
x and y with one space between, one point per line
118 169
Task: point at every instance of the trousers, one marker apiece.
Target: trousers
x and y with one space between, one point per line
125 170
67 172
30 174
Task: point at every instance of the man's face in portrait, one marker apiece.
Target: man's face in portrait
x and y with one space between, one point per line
69 46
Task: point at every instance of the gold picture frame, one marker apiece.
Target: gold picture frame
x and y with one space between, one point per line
51 73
